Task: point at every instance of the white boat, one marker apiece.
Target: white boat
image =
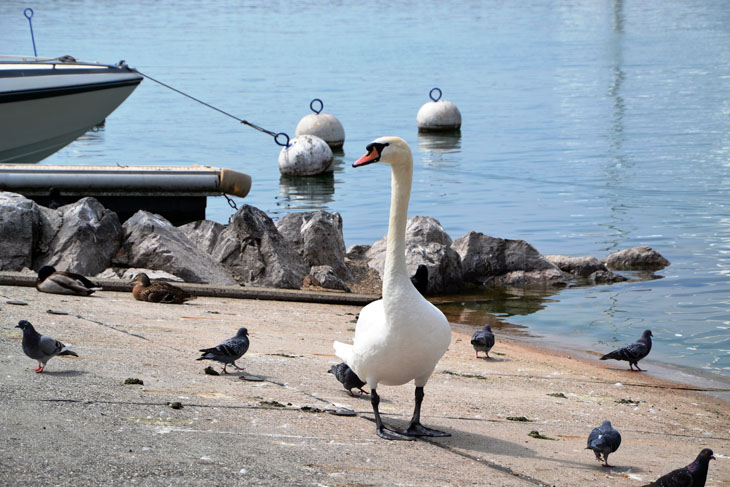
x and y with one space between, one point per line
46 104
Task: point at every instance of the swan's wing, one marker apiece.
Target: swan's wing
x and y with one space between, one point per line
344 351
370 325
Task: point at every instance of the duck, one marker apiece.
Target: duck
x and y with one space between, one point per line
63 282
401 337
158 291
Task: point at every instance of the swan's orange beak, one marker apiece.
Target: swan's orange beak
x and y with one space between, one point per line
369 158
373 155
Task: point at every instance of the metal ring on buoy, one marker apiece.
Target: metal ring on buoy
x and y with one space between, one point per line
430 94
321 106
25 12
276 139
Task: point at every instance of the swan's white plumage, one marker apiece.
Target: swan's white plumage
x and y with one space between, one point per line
402 336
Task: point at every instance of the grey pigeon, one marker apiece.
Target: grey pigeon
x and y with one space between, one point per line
634 352
693 475
229 351
483 340
420 279
347 377
41 347
604 440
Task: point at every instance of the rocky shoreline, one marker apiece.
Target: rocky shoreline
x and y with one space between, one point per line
301 250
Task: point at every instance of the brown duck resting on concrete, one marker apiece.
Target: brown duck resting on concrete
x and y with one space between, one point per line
158 291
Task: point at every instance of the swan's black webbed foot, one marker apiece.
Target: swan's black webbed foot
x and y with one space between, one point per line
388 434
417 429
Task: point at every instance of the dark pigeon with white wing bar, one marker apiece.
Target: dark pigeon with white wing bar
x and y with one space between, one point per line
229 351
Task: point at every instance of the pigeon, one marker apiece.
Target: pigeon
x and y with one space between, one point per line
420 279
348 377
693 475
62 282
604 440
41 347
229 351
158 291
634 352
483 340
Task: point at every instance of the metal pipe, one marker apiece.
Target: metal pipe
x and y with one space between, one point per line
115 180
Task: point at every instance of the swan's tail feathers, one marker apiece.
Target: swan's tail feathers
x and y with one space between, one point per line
344 351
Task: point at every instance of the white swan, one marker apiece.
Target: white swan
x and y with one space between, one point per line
402 336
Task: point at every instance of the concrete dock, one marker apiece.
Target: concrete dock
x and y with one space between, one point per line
78 424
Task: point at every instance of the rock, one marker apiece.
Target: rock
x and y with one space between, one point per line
605 277
151 241
108 273
317 237
257 254
307 155
19 231
426 243
495 261
129 274
357 251
546 278
636 258
203 233
82 237
577 266
324 276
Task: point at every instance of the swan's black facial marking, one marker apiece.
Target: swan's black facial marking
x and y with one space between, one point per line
375 150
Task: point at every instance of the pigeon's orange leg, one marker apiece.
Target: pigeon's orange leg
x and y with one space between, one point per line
39 369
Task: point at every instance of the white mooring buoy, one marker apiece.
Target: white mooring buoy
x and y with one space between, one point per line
323 125
438 115
306 155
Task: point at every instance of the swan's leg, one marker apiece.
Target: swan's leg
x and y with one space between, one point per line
379 428
416 428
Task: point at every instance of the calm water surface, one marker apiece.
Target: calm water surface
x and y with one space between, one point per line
589 126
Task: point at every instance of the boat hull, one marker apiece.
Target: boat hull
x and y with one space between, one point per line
47 109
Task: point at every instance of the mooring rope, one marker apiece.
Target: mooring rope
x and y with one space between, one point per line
275 135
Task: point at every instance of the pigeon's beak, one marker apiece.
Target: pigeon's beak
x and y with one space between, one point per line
712 457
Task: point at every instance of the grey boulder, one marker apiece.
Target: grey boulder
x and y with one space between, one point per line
589 269
317 237
257 254
203 233
82 237
19 231
325 277
426 243
151 241
494 261
636 258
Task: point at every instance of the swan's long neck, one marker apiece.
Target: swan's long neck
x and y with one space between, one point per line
395 275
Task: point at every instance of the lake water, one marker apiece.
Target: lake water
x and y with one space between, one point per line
589 126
